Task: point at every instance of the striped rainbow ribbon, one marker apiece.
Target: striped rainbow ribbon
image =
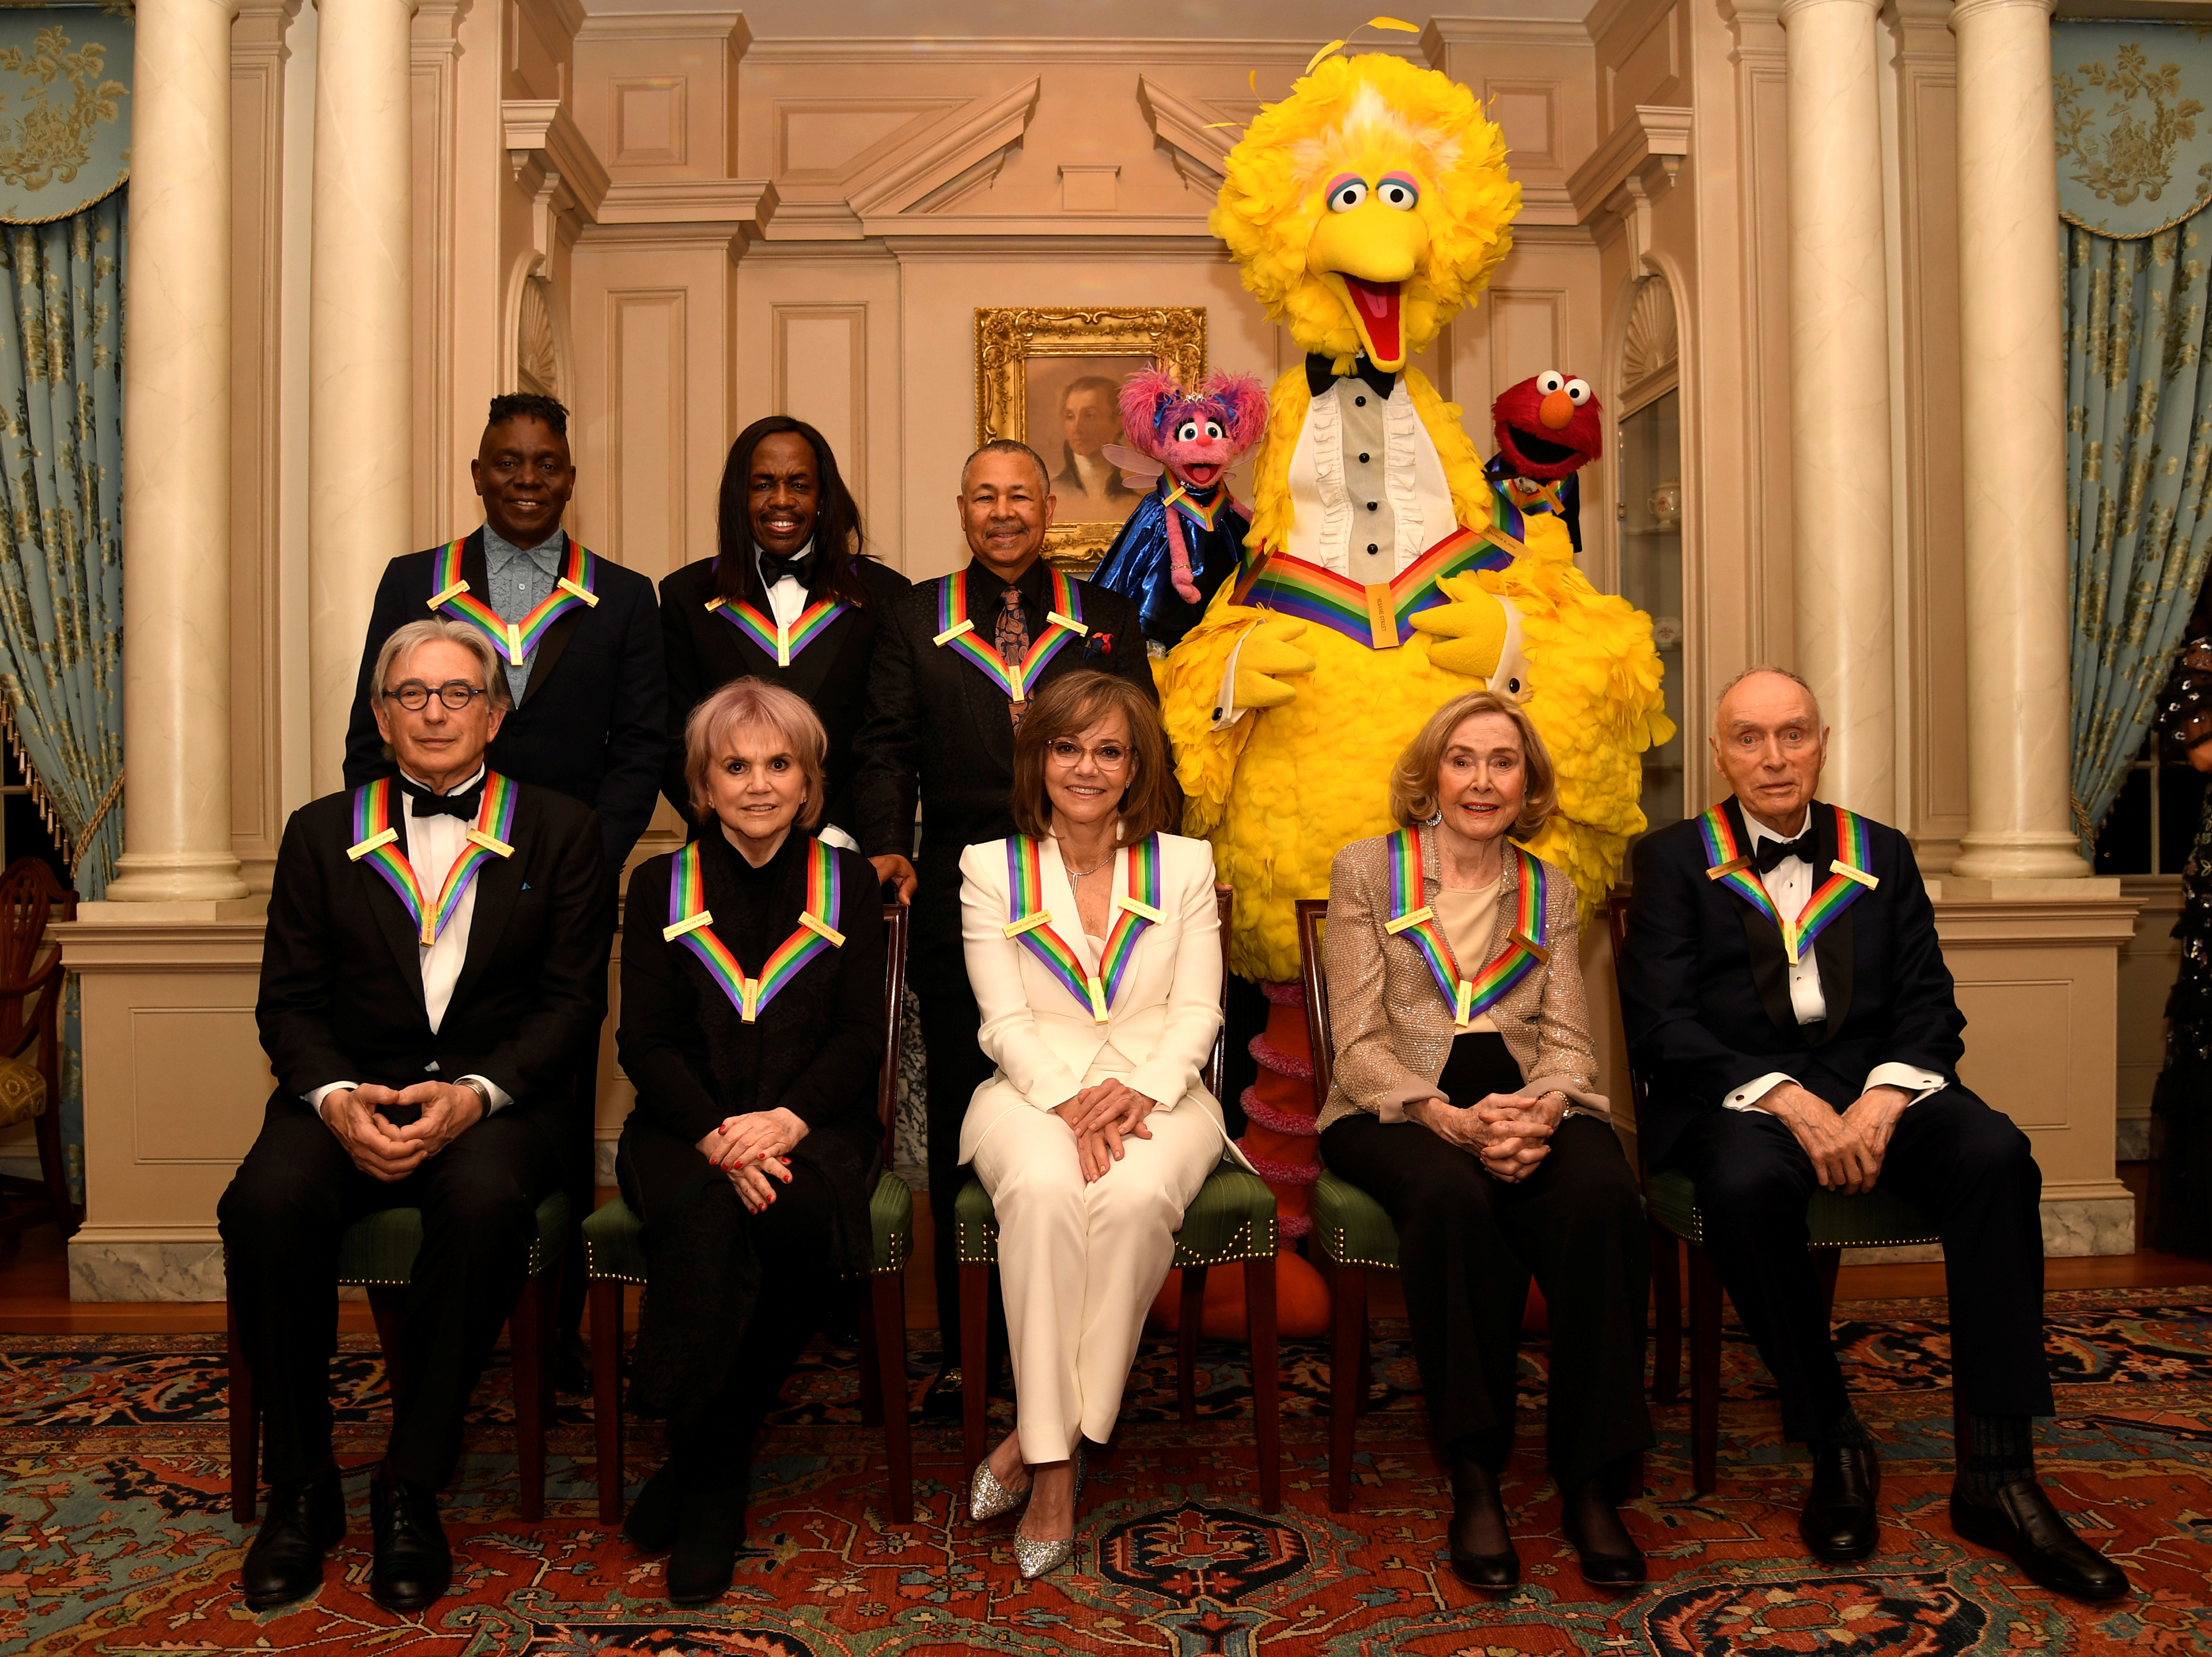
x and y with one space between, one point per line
1847 877
1379 616
785 644
959 631
578 585
376 842
1029 921
1468 999
691 924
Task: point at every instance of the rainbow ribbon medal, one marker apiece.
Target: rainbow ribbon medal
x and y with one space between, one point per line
376 841
1379 616
1847 877
1135 908
693 926
1409 916
784 643
1063 622
577 586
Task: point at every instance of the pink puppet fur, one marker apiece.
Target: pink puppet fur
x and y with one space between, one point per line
1154 409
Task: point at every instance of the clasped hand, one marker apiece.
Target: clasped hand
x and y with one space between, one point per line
1511 1133
753 1150
390 1154
1846 1146
1101 1117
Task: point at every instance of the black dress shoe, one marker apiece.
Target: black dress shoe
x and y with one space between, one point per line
1838 1521
2020 1520
306 1520
413 1565
943 1399
710 1528
1475 1507
650 1522
1607 1554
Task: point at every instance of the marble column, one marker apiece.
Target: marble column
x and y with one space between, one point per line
176 463
360 454
1839 435
2013 384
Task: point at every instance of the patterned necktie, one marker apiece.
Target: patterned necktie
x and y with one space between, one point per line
1013 643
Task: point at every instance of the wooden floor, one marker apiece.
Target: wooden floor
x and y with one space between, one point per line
35 1285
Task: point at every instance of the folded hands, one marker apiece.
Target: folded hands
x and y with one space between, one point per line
1102 1117
754 1151
1511 1133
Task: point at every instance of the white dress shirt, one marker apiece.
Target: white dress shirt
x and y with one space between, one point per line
433 843
786 602
1790 885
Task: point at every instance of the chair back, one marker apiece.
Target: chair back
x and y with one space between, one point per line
1616 915
1313 973
29 895
897 920
1217 1067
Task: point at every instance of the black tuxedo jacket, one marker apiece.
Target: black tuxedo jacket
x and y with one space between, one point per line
1705 984
938 730
593 720
341 968
704 652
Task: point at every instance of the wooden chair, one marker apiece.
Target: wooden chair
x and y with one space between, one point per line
614 1256
1833 1221
1231 1221
378 1252
30 1018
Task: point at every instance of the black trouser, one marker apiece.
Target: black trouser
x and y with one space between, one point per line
950 1022
1965 1167
281 1218
1467 1245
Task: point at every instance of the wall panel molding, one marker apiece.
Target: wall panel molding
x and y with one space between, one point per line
820 373
649 352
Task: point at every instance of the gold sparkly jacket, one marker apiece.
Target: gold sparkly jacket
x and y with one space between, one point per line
1392 1027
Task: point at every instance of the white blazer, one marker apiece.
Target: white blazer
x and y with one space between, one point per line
1042 1041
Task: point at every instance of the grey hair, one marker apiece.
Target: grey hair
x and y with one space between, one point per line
1753 672
1008 445
406 640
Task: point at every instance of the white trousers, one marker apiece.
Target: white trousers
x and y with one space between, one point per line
1079 1263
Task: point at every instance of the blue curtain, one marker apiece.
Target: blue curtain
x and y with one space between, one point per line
61 547
2138 483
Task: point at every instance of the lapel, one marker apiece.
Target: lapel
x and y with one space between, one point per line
1833 949
1770 967
551 648
1059 899
390 913
986 704
496 886
476 572
817 666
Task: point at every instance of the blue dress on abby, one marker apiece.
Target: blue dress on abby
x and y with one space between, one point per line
1137 566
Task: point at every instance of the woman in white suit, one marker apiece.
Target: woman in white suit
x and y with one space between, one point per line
1094 946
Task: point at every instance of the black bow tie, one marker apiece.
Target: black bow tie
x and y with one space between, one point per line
1770 852
421 802
1321 374
773 569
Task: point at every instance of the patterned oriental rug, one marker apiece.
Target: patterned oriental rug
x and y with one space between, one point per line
117 1537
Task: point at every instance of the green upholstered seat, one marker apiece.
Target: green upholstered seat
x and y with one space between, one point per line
1880 1219
614 1237
1232 1218
1351 1228
380 1249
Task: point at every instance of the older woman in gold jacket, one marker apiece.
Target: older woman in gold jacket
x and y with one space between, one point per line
1464 1102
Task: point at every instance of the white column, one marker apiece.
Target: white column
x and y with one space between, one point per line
360 453
176 463
1840 523
2012 379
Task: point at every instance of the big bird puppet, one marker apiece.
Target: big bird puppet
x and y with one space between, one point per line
1384 572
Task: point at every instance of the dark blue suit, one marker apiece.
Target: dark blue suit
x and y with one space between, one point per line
1137 566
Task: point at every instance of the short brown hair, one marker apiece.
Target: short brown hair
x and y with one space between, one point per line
1413 780
738 706
1070 706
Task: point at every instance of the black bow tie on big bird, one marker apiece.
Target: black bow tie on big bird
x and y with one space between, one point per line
1772 852
421 802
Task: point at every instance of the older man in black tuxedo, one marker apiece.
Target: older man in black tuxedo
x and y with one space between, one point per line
1785 993
943 703
435 968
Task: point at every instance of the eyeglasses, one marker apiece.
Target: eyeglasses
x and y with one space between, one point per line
457 693
1110 756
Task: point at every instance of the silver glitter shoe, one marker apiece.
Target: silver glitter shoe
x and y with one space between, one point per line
988 1498
1035 1559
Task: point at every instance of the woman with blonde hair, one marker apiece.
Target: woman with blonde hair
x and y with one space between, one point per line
1094 946
752 1025
1463 1102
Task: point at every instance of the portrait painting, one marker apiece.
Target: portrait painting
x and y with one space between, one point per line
1075 412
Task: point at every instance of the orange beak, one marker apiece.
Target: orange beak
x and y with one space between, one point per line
1557 411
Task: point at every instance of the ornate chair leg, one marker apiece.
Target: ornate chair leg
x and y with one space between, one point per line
1666 1315
887 1293
1187 1334
1705 1371
975 1364
606 1393
1347 1342
244 1421
1266 1377
871 1392
527 1329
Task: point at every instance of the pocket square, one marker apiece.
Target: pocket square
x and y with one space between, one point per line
526 885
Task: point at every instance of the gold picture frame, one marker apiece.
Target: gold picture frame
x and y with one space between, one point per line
1084 346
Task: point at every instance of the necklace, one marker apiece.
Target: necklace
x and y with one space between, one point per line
1092 870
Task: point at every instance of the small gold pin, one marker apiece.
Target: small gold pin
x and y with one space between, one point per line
584 593
1398 924
449 594
1860 875
357 853
1067 621
1028 923
813 924
1137 906
497 848
690 923
953 632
